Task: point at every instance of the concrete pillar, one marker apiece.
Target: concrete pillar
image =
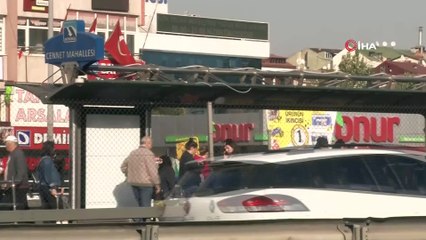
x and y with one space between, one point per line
11 27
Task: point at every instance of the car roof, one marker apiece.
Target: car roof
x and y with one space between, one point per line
312 154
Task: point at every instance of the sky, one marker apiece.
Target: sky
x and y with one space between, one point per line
299 24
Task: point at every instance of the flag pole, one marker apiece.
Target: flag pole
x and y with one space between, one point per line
50 73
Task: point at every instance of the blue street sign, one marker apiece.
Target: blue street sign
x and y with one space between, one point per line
74 45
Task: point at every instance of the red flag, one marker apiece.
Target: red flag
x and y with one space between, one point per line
117 47
93 27
65 18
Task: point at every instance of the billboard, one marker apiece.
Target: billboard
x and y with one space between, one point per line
27 110
297 128
288 128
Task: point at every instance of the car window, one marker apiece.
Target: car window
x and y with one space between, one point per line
383 176
398 174
410 172
235 177
341 173
376 173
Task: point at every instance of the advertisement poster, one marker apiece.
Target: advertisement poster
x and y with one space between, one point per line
292 128
27 110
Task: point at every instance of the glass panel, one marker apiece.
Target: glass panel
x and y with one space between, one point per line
102 34
21 37
130 40
410 173
37 39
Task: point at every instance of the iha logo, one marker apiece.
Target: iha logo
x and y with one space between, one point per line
352 45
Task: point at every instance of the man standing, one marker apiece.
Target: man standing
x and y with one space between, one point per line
141 171
16 171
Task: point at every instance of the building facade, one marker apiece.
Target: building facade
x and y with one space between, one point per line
139 24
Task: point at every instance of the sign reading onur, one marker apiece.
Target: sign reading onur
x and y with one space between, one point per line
297 128
368 129
240 132
74 45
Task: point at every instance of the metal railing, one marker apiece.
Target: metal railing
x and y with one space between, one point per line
252 76
407 228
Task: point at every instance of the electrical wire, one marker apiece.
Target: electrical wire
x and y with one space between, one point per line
224 84
233 89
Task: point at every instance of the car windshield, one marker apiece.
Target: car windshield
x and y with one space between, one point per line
377 173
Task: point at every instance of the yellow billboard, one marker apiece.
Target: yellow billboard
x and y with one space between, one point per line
288 128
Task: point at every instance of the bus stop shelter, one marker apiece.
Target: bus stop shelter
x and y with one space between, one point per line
200 87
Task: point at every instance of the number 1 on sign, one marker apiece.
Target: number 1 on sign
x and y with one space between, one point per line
300 135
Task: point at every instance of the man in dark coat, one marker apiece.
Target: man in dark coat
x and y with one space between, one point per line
188 156
16 172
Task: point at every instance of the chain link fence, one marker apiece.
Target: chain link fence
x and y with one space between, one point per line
112 133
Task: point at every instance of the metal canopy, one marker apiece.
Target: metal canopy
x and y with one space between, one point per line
194 86
248 96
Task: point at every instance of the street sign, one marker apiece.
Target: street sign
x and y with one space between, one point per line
74 45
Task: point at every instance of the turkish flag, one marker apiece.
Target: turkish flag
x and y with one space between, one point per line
20 53
117 47
93 27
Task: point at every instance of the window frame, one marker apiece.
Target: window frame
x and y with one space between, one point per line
3 35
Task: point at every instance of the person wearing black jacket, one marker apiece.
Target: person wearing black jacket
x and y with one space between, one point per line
167 176
188 156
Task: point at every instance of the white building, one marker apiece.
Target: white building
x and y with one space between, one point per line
224 43
138 20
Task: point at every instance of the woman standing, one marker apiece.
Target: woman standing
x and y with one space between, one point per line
167 176
49 177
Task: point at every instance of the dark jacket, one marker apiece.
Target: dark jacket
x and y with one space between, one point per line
168 180
47 172
17 168
184 159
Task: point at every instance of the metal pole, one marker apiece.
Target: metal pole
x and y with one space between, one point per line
75 156
210 127
13 193
50 73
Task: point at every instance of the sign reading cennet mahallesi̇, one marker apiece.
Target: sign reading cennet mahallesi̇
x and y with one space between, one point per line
74 45
193 25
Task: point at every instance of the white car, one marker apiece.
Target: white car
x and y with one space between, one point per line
304 184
